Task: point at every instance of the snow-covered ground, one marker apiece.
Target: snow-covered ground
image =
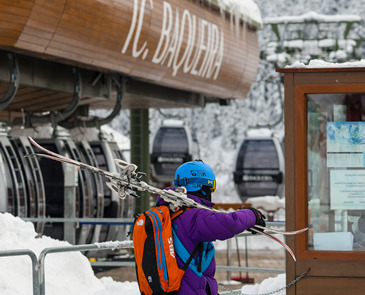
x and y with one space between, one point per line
267 286
66 273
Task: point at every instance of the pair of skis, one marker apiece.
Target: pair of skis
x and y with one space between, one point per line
126 182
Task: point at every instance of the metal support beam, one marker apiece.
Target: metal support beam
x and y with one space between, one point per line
55 117
140 152
13 82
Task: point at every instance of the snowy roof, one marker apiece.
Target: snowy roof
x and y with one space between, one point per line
316 63
173 123
259 132
312 17
247 10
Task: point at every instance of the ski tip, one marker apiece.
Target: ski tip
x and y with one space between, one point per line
32 141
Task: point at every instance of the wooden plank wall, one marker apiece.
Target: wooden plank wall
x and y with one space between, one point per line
93 33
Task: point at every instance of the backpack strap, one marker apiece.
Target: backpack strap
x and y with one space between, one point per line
197 247
176 214
201 248
130 232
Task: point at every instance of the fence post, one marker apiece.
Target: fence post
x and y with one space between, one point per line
71 180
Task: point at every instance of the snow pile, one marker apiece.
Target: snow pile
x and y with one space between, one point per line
312 16
316 63
267 286
66 273
246 10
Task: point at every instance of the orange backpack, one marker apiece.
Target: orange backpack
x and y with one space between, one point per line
155 257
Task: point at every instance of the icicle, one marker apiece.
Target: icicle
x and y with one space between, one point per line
244 31
237 24
231 21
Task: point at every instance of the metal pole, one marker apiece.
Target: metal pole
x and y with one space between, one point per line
140 152
246 256
228 259
239 256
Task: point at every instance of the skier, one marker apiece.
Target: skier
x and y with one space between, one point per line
196 229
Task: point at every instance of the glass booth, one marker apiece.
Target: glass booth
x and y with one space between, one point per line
325 178
336 171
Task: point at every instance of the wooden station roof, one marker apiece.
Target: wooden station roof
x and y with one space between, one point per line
176 53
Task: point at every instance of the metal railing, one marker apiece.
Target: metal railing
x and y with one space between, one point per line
33 258
84 220
38 265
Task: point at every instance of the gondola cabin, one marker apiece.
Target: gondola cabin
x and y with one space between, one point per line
13 192
259 167
22 190
172 146
68 191
36 197
97 193
99 149
105 150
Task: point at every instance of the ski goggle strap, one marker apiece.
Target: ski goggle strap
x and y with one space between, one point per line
195 180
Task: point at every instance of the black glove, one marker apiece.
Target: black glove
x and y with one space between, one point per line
259 219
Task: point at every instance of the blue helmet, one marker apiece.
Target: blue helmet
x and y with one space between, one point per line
193 175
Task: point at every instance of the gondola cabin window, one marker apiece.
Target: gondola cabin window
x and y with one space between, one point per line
336 171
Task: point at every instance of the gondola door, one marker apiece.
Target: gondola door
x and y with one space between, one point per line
104 158
97 200
85 196
60 182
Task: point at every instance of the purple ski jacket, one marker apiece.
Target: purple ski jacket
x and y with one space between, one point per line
200 225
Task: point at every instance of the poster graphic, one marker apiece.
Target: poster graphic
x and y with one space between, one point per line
346 149
345 144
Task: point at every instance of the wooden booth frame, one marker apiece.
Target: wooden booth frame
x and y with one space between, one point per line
330 272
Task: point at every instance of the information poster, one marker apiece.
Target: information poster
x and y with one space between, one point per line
347 189
346 149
